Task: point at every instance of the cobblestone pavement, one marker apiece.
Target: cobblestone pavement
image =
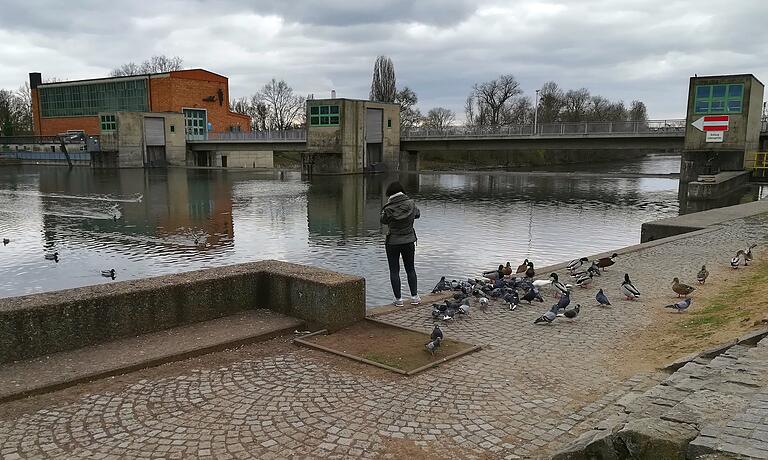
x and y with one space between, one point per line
531 389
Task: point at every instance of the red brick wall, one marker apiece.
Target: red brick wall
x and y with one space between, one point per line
173 93
53 126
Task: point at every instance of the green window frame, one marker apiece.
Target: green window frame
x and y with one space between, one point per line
108 122
324 115
88 99
718 99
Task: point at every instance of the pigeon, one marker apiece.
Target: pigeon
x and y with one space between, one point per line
572 313
532 294
576 264
701 277
594 269
605 262
441 285
564 301
584 280
436 333
628 289
464 309
483 303
681 305
433 345
547 317
496 293
6 241
454 284
680 288
601 298
108 273
512 299
522 267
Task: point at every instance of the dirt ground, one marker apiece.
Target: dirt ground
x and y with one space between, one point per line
731 303
396 347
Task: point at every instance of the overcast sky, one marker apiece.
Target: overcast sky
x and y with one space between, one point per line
622 49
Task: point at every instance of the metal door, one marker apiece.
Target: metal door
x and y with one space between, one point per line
154 131
374 126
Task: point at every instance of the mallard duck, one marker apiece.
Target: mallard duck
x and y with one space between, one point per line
52 256
495 274
736 260
560 288
748 254
576 264
605 262
701 277
6 241
680 288
530 272
522 267
108 273
507 269
628 289
584 280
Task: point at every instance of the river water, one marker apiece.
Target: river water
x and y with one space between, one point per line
145 223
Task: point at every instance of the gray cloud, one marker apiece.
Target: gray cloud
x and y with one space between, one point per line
623 49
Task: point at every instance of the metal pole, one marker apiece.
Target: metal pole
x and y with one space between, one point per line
536 113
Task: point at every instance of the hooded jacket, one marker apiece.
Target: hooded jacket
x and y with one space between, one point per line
398 214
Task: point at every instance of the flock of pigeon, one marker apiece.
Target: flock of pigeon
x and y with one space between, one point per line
54 256
506 285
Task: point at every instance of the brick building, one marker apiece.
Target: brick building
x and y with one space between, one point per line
90 105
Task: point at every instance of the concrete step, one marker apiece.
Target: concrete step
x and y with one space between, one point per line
49 373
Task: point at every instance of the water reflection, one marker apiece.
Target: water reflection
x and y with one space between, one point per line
145 223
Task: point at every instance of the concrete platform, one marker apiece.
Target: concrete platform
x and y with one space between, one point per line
722 184
65 369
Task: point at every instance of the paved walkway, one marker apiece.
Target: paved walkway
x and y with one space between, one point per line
530 390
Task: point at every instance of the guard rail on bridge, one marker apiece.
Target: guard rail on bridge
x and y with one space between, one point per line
289 135
602 128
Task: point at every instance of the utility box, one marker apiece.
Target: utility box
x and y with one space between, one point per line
348 136
722 125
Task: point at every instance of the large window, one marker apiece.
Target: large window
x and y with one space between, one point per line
89 99
324 115
712 99
108 123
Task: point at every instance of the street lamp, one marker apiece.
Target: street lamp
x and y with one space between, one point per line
536 113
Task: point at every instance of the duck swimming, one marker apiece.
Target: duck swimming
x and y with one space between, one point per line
108 273
54 257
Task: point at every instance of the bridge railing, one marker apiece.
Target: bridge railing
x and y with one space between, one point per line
267 136
650 127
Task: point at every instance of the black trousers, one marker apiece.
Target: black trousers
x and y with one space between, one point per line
394 251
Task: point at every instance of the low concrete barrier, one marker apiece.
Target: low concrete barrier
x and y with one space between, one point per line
50 322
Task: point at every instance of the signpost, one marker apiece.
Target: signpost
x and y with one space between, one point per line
713 126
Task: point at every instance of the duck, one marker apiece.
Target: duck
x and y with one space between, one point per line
522 267
560 288
584 280
6 241
680 288
507 269
628 289
701 277
530 272
736 260
52 256
748 254
495 274
576 264
605 262
108 273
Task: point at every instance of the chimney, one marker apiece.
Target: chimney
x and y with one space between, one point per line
333 94
35 80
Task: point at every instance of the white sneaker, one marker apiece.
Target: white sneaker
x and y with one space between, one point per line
398 302
415 299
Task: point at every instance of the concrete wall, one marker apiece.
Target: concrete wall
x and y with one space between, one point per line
245 159
481 159
128 141
40 324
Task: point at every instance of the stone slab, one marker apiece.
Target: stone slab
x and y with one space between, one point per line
60 370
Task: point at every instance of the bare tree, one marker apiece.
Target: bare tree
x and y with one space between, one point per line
383 84
494 99
410 116
22 107
439 118
284 107
551 102
637 111
576 105
155 64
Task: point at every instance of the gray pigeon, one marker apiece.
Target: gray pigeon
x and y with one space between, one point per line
681 305
433 345
436 332
547 317
601 298
571 314
564 301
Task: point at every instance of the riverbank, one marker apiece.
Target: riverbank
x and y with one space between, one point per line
530 390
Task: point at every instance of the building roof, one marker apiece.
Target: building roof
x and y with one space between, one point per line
186 73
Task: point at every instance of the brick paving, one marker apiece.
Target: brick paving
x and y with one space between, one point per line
530 390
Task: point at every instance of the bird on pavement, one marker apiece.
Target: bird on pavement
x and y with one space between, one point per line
442 285
572 313
680 288
681 305
507 269
560 288
532 294
584 280
701 277
436 332
601 298
748 254
576 264
605 262
564 301
628 289
530 272
433 345
547 317
522 267
484 304
512 299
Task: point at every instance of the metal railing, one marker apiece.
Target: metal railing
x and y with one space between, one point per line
618 128
266 136
45 156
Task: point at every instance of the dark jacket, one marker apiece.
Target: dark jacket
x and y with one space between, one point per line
398 214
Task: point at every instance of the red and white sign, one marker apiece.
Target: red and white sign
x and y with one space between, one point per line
712 123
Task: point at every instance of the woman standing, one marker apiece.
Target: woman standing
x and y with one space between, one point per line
398 214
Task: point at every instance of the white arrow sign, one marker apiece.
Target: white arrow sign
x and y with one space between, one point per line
712 123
